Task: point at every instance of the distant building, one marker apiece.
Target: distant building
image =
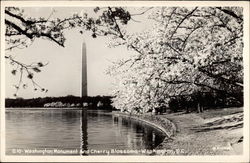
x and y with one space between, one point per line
99 104
85 104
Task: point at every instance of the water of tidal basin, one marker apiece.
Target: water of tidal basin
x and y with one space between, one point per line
75 129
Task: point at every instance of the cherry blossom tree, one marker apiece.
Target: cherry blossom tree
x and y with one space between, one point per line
188 50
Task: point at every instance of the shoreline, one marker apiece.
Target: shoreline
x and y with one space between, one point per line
169 128
214 132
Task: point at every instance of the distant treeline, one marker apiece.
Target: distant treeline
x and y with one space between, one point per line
92 102
193 102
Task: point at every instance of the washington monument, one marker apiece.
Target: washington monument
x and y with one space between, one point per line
84 71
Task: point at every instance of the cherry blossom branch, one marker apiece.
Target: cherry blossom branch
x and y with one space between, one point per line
24 67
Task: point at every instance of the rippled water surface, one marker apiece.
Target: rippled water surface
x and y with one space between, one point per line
74 130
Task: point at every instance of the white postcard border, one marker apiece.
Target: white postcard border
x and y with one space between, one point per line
224 158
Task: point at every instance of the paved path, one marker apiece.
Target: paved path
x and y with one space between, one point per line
210 133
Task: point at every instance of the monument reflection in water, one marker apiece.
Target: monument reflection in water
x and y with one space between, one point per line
84 133
76 129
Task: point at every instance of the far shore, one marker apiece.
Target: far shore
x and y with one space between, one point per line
56 108
43 108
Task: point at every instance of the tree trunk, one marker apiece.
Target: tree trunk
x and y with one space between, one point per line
201 108
198 107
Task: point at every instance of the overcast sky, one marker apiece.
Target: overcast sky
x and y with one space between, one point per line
62 76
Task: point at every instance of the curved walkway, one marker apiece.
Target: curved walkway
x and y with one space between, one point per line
214 132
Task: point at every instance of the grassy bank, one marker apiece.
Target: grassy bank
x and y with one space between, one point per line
213 132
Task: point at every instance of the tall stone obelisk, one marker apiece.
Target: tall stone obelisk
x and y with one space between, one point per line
84 71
